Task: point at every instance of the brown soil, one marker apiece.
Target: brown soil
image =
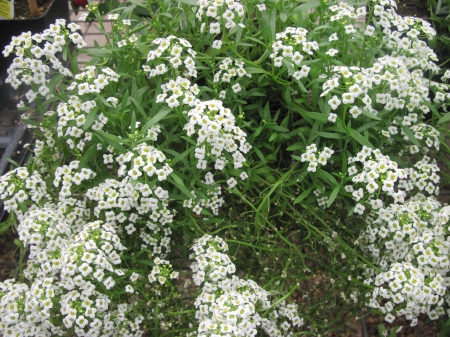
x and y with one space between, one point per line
417 8
22 10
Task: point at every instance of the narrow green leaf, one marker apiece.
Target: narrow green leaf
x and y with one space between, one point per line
189 2
317 116
333 195
4 226
303 195
139 107
327 177
359 138
90 118
260 154
176 180
114 141
444 119
273 137
31 122
189 140
160 115
410 135
370 115
295 147
18 243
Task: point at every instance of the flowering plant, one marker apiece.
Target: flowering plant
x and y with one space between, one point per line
257 138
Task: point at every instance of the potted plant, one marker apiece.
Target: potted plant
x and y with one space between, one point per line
206 165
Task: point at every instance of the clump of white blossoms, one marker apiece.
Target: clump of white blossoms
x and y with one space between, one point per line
290 49
217 133
36 56
214 15
315 158
18 188
177 57
228 306
179 92
373 174
229 73
409 243
423 176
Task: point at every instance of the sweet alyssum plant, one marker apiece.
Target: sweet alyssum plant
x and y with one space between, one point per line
213 157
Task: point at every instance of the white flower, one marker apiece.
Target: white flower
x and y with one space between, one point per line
261 7
332 117
334 102
231 182
217 44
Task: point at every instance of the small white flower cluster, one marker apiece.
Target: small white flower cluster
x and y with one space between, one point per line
211 260
67 178
89 264
126 200
219 14
291 45
409 242
407 89
227 306
229 73
345 13
213 201
46 236
277 324
182 93
216 131
426 135
162 271
31 64
71 270
90 80
18 186
378 175
314 158
404 33
171 49
27 311
424 176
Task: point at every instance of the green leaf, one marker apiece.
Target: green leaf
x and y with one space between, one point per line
112 140
260 154
18 243
317 116
331 135
370 115
139 107
283 16
176 180
146 262
189 2
273 137
327 177
333 195
410 135
307 6
31 122
359 138
189 140
295 147
444 119
367 126
277 128
160 115
4 226
90 118
303 195
13 162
